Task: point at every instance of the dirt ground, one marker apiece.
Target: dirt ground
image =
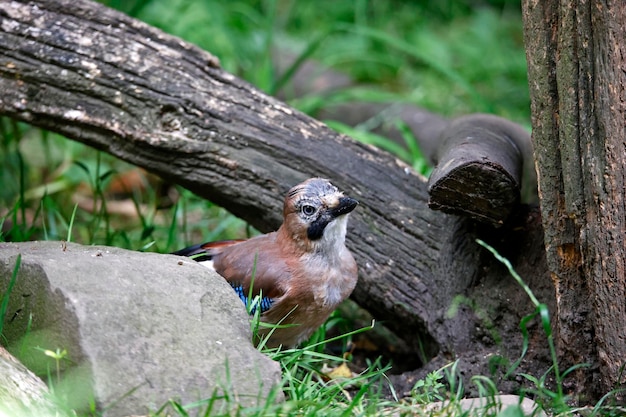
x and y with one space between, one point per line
495 307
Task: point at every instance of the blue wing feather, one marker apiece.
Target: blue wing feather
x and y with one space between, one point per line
265 302
206 252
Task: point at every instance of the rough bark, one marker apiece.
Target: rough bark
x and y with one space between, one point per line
576 54
116 84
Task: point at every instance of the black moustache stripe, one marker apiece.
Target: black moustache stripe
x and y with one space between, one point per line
316 229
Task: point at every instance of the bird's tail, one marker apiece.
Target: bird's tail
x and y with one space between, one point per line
204 251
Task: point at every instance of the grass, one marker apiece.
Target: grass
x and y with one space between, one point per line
317 383
449 57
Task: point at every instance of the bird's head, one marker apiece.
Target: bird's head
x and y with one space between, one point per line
316 213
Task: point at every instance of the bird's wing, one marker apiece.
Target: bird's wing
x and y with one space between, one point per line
255 263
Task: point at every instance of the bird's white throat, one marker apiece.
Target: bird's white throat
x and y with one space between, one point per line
333 240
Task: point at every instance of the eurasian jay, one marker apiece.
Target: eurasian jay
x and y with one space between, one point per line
302 271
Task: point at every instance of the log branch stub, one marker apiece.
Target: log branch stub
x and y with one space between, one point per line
480 168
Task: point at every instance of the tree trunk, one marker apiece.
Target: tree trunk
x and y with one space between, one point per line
102 78
576 55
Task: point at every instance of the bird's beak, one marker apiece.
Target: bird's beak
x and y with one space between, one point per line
345 206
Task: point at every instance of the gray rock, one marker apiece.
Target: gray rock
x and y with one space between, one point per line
22 393
488 406
139 328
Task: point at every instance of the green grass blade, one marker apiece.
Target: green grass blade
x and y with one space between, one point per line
69 228
289 73
542 312
173 227
513 273
7 294
525 342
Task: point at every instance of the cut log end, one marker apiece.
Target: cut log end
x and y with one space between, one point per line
480 164
482 191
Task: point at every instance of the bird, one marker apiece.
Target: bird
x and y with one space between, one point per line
302 271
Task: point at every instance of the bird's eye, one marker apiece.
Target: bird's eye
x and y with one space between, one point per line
307 210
